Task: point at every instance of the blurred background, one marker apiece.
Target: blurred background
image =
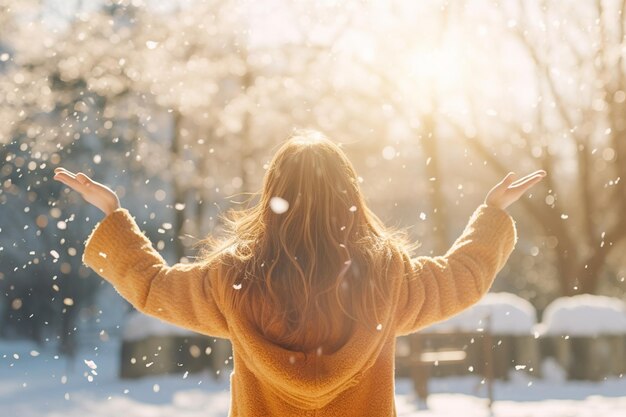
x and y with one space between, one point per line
179 105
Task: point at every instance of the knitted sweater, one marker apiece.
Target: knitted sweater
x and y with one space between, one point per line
357 380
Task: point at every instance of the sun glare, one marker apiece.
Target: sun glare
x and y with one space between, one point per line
441 67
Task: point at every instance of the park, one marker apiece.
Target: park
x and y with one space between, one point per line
178 109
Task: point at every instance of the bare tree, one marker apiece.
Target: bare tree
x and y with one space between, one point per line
585 219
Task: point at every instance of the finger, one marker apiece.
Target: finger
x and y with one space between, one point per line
510 177
70 181
527 181
84 179
61 170
519 191
64 178
540 173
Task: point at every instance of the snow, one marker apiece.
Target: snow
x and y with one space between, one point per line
509 315
52 386
552 371
279 205
91 364
581 315
584 315
139 326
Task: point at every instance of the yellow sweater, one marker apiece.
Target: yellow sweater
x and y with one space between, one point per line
355 381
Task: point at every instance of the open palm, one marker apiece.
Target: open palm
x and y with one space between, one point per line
93 192
509 190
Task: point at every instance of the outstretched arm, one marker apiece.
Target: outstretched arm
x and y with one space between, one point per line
182 294
435 288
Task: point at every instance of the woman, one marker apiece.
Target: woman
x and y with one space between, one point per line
308 285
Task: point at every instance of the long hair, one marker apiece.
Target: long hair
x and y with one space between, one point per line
309 260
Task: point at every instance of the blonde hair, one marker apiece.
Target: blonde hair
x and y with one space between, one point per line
307 275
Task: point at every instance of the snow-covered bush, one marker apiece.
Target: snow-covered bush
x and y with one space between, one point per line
508 313
584 315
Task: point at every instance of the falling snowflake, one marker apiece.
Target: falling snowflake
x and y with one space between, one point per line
91 364
389 153
279 205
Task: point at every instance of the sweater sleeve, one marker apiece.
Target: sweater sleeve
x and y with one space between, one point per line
181 294
435 288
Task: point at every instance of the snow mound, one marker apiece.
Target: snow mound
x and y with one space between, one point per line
139 326
509 315
584 315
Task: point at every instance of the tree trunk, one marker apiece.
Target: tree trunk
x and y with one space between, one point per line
434 177
176 150
246 151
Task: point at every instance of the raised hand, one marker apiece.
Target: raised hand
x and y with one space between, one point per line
509 190
93 192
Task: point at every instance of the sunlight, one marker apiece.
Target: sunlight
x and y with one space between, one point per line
155 257
442 67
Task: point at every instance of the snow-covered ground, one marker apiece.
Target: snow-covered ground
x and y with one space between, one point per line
34 383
